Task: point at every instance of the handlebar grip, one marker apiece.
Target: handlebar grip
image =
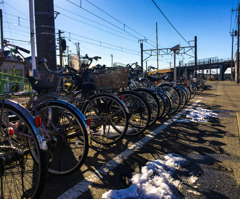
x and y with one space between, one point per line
24 50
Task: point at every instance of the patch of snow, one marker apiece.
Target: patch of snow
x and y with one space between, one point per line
198 115
155 180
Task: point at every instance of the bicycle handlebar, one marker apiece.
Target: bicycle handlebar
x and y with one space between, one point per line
16 48
52 71
23 49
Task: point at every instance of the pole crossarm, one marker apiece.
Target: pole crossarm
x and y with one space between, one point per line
147 57
167 51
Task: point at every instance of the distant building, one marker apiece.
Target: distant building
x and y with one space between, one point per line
8 62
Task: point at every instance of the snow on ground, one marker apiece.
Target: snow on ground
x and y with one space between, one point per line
198 115
155 180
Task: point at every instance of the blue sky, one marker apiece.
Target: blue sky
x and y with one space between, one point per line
209 20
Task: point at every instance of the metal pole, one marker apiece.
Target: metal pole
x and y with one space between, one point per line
1 27
146 67
111 60
157 44
175 71
32 35
179 71
238 45
232 55
60 46
195 67
210 71
141 46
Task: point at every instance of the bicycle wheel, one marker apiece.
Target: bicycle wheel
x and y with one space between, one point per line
68 143
168 101
20 175
109 118
139 110
154 103
193 90
175 96
188 91
182 96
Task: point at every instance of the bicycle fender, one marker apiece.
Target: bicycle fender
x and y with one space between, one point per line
39 135
74 108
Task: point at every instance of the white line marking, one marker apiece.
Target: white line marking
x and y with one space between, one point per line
82 186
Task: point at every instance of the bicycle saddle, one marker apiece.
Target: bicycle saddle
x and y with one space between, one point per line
39 85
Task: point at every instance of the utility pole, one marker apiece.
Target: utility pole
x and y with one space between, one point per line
1 23
210 71
45 32
157 44
179 70
146 67
60 46
111 60
233 33
141 46
32 35
78 49
238 44
195 67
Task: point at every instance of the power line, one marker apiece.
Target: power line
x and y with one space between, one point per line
15 9
115 19
97 28
103 19
94 40
15 16
169 22
118 21
99 45
7 21
101 42
91 20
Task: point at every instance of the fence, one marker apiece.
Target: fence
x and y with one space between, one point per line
9 86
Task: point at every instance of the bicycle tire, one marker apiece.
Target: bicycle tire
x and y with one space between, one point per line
183 97
139 110
107 112
152 99
69 144
24 165
193 90
188 91
175 96
168 100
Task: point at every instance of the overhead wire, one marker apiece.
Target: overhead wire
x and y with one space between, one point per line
14 8
102 42
91 20
96 27
105 20
7 21
102 19
99 45
171 24
117 20
85 38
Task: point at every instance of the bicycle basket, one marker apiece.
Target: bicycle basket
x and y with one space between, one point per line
54 78
110 79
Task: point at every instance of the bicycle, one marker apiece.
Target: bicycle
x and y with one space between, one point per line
138 108
21 176
108 114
